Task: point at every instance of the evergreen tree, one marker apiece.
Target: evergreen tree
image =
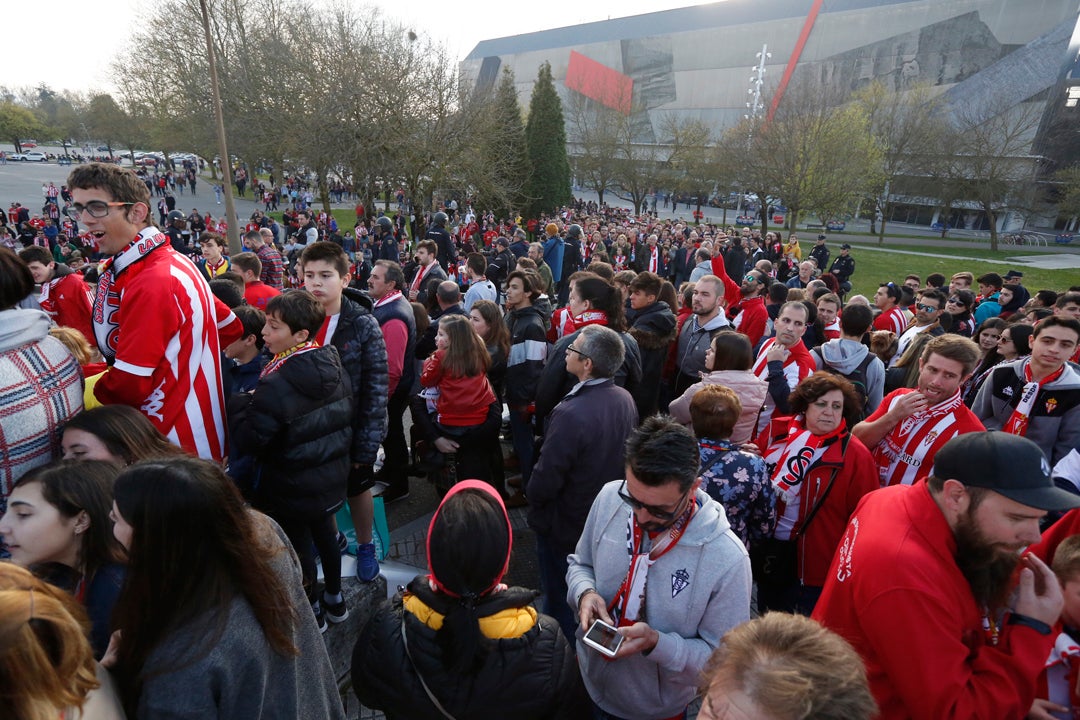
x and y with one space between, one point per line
504 158
545 137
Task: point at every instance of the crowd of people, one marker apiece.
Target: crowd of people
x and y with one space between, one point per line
705 407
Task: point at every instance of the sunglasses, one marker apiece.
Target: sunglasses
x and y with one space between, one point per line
750 278
656 512
926 308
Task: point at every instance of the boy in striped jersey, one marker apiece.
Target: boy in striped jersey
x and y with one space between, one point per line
155 319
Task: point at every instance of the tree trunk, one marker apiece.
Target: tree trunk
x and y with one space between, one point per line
881 231
992 219
324 192
764 212
600 196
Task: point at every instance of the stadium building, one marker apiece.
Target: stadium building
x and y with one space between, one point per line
697 62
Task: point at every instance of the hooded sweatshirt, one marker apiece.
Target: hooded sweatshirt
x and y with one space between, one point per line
844 356
41 388
695 593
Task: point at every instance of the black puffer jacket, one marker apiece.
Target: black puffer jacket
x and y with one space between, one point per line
654 330
298 426
529 677
359 339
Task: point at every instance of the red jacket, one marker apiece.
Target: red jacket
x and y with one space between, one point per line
895 592
856 476
258 293
752 319
1068 525
68 301
463 399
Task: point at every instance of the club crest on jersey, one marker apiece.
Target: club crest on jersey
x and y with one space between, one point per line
680 580
1051 403
930 437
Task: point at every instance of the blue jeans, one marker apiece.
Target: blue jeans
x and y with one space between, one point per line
552 566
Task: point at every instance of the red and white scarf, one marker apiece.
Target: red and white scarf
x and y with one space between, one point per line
907 446
420 275
388 298
627 607
1018 421
797 455
589 317
278 360
106 301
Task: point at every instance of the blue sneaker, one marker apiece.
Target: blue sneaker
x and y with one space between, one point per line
367 567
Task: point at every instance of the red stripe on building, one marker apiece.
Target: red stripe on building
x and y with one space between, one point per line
800 44
599 82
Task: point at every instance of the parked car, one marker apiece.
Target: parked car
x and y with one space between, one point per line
34 156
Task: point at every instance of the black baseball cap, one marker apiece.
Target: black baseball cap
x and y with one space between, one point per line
845 246
1008 464
1013 274
502 241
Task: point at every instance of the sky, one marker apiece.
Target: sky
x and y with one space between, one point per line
80 60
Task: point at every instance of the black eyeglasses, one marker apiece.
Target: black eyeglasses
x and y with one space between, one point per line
656 512
926 308
95 208
571 348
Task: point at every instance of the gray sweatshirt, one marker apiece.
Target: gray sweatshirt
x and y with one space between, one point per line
696 592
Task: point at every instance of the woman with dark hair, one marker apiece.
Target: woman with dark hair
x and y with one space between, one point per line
458 642
986 337
487 322
820 472
728 360
1015 341
118 433
959 306
213 620
42 385
594 301
57 524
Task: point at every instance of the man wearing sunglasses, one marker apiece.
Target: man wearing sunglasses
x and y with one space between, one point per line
156 322
752 319
659 560
928 309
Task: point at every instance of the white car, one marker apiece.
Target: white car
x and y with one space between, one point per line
34 156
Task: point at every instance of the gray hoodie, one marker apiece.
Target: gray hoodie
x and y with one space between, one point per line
696 592
844 356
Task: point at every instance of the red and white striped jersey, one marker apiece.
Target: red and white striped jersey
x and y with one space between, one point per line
906 453
893 320
168 359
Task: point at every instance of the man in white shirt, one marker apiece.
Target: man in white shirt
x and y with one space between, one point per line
480 288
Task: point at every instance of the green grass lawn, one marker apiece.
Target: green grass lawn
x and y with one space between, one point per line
873 268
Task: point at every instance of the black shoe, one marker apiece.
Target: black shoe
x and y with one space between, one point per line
334 612
398 491
320 619
342 543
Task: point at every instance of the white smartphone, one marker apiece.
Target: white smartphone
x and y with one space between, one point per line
603 638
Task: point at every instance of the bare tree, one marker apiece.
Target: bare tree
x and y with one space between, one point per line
903 124
993 151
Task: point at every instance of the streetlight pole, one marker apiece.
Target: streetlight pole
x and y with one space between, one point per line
754 106
232 220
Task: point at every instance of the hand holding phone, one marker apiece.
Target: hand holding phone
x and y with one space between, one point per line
603 638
